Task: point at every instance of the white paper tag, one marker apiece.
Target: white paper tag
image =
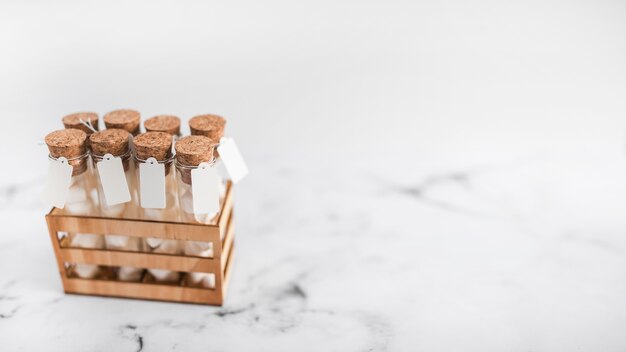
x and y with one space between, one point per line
233 161
152 184
113 180
205 189
58 182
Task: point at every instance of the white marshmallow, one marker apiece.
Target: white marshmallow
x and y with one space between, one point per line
79 208
198 248
124 243
127 273
165 275
187 206
114 211
86 240
76 194
86 271
153 243
206 280
159 245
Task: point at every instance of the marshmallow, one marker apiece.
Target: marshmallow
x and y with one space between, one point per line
86 240
165 275
127 273
198 248
206 280
124 243
86 271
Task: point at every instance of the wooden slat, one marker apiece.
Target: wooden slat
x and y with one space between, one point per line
227 209
227 271
155 291
144 228
224 221
135 228
140 260
228 242
144 291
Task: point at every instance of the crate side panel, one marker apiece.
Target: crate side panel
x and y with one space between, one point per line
227 207
144 291
228 271
228 242
140 260
135 228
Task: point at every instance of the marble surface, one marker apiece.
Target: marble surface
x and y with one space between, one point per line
425 176
517 254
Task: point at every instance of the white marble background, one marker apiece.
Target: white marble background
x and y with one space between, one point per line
425 177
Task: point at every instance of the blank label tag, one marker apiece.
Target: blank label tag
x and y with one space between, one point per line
152 184
205 189
232 159
58 182
113 180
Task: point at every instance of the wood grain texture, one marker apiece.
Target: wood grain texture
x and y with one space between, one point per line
144 291
140 260
221 233
227 244
227 271
145 228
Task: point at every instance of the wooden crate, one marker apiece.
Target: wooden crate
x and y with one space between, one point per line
220 264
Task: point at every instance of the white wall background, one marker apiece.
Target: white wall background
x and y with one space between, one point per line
467 79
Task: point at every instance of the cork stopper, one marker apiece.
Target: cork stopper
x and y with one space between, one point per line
156 145
67 143
123 119
191 151
208 125
163 123
70 144
111 141
73 121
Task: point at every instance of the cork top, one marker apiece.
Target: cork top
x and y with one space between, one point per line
111 141
208 125
193 150
156 145
73 121
163 123
123 119
70 143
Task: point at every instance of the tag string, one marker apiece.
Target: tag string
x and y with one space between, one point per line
88 124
